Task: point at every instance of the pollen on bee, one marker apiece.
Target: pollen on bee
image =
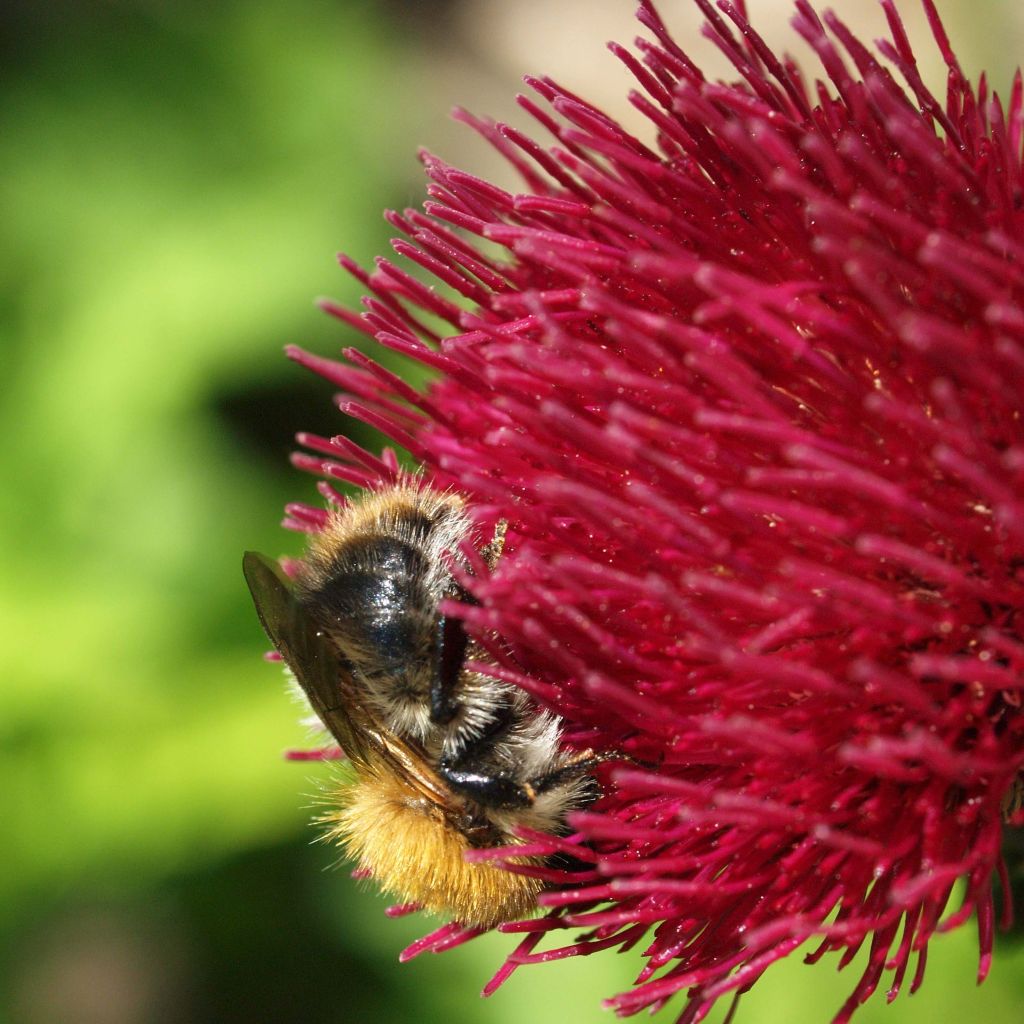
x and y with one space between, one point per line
415 855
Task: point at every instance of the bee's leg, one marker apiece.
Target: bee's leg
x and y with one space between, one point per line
450 649
491 552
489 789
483 783
470 770
579 765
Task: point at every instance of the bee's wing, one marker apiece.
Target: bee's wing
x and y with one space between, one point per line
309 655
327 683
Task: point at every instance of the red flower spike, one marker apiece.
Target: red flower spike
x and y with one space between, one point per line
750 400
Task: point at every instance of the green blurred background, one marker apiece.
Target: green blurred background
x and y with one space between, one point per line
175 179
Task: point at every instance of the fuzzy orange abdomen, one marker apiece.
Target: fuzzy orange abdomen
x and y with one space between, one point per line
415 854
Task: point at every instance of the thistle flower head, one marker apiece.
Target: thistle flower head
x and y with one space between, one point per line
749 395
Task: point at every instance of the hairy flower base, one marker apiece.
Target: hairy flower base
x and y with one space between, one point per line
749 396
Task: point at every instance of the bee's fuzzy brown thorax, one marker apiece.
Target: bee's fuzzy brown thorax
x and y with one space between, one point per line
431 522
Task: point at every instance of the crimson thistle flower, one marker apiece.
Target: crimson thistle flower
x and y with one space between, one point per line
749 396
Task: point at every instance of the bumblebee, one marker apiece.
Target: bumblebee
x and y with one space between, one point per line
445 759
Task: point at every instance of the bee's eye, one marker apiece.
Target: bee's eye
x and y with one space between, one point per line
451 653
